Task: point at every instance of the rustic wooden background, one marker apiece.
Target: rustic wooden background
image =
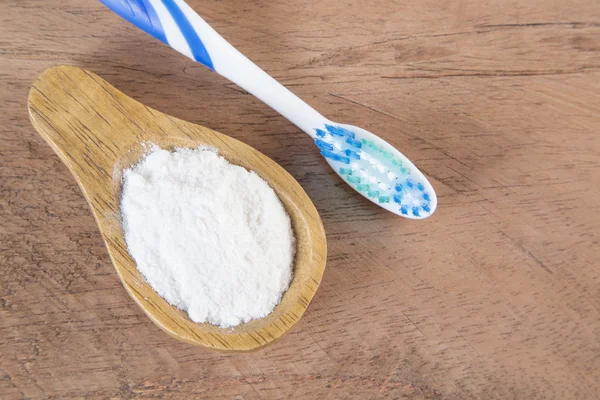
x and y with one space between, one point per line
495 297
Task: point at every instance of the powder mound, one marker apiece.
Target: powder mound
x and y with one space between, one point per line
211 238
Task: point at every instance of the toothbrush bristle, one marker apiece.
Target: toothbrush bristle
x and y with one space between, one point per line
375 171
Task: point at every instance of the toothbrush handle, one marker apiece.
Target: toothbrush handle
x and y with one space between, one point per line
175 23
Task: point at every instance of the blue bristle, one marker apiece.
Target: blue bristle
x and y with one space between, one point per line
426 208
397 198
426 196
354 142
320 133
335 157
339 131
420 187
323 145
415 211
352 154
409 183
398 187
404 210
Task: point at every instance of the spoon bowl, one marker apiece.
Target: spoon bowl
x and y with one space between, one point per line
98 132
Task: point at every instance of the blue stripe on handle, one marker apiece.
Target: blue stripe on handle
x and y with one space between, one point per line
191 37
140 13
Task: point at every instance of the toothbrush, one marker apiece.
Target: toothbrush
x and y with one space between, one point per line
370 165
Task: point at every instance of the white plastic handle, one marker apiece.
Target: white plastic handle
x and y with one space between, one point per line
177 24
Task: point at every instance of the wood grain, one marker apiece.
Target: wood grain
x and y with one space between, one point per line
98 132
497 296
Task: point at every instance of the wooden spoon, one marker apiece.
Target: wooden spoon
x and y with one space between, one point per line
98 132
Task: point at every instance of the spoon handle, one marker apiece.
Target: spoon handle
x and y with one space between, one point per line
175 23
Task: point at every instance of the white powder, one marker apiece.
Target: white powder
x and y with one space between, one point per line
210 237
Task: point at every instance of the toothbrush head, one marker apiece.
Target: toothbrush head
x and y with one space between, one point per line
377 170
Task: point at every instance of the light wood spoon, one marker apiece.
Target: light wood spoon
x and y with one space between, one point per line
98 132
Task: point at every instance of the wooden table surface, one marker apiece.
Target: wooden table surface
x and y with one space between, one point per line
497 296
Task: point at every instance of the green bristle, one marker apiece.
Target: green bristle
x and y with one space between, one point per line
362 187
373 193
384 199
345 171
353 179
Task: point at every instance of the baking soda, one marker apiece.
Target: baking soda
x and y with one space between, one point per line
211 238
